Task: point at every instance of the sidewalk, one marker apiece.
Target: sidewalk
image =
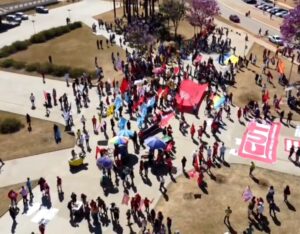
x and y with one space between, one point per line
15 90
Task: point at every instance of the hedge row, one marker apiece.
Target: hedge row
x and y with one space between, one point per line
40 37
46 68
10 125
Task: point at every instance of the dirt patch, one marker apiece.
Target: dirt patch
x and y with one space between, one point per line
245 89
5 202
69 50
39 140
205 215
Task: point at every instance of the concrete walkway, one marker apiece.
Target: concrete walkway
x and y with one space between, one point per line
15 90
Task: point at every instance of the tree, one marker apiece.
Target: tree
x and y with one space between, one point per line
173 10
290 28
202 12
138 34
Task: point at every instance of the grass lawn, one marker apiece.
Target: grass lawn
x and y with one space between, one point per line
206 214
246 89
39 140
76 49
5 202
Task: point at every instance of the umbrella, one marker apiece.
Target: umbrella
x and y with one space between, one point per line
125 133
234 59
105 162
158 70
118 140
155 143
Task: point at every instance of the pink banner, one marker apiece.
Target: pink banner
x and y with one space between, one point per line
260 142
289 142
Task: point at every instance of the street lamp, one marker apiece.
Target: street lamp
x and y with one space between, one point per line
33 21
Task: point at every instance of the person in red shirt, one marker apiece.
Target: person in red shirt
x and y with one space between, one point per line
94 122
200 133
42 228
200 179
215 150
239 114
192 131
146 204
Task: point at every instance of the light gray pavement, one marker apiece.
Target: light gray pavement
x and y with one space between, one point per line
252 24
15 90
79 11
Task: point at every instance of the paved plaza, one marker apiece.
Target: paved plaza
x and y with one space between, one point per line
15 91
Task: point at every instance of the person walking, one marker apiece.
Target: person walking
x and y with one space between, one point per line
222 152
192 131
28 120
32 100
59 184
297 155
286 193
24 194
94 122
183 163
270 194
169 225
13 212
292 151
289 118
228 212
42 227
252 168
162 185
29 188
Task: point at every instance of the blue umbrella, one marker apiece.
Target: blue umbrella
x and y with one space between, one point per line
155 143
125 133
105 162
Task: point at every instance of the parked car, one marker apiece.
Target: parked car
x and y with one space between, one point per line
22 15
276 39
234 18
274 10
41 9
13 18
260 5
284 14
266 7
281 11
250 1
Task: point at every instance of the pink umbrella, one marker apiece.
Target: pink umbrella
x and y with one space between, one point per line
198 59
158 70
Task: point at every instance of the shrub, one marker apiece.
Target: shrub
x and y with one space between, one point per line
7 63
32 67
20 45
60 70
38 38
49 34
18 65
10 125
75 25
7 50
76 72
46 68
